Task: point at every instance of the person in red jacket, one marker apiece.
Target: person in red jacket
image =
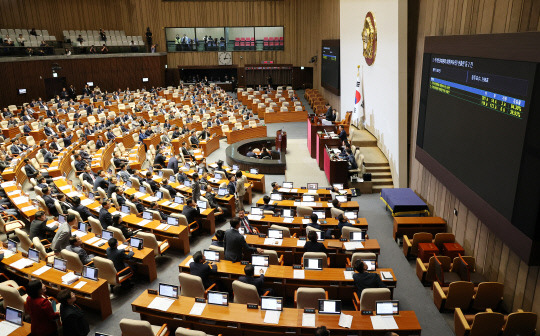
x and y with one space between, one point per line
41 311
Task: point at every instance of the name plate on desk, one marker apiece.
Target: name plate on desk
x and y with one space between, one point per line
252 306
152 291
297 267
201 300
244 262
309 310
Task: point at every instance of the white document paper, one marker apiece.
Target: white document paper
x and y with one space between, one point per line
8 184
383 322
174 205
387 276
272 316
254 217
197 308
306 220
92 240
52 224
161 303
6 328
308 320
284 190
297 203
299 274
78 233
115 213
86 201
162 227
257 270
348 275
99 242
73 194
309 204
151 199
13 193
122 246
80 284
41 270
139 194
143 222
20 200
166 203
345 320
29 208
353 245
22 263
300 243
66 187
288 220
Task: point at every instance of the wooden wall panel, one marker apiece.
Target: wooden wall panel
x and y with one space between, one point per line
494 259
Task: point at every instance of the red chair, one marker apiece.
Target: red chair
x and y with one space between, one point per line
281 38
242 45
236 45
252 45
237 39
265 45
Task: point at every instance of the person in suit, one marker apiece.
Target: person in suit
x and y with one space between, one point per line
49 201
123 173
48 130
173 163
89 175
120 197
328 111
249 278
231 186
80 164
74 246
39 228
170 189
119 257
100 143
241 180
29 169
190 210
112 186
105 217
73 321
315 224
40 310
203 270
250 153
153 184
342 222
81 209
67 139
244 222
100 181
312 245
47 155
220 235
176 133
61 238
196 187
26 128
235 244
333 116
118 161
211 198
63 204
267 206
160 160
135 200
363 279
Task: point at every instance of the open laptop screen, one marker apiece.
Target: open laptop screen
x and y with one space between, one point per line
388 307
218 298
90 273
271 303
211 255
14 316
329 306
168 290
313 264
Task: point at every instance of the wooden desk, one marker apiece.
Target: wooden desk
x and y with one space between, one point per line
246 133
452 250
94 294
25 206
410 225
322 142
10 132
291 116
426 250
336 170
312 129
154 139
324 194
178 236
209 146
348 206
237 320
23 330
281 278
258 180
126 139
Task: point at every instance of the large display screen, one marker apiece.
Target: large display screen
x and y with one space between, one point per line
330 68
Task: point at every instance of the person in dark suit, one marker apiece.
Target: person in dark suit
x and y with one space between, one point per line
234 243
220 235
173 163
89 175
100 143
112 186
80 164
74 246
39 228
363 279
29 169
100 181
81 209
267 206
342 134
153 184
211 198
160 160
231 187
312 245
73 321
119 257
190 210
170 189
199 268
328 111
105 217
196 187
49 201
118 161
249 278
342 222
244 221
67 139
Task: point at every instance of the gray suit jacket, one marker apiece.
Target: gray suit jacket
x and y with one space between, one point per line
61 238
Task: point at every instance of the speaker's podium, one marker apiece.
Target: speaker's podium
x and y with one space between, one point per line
281 141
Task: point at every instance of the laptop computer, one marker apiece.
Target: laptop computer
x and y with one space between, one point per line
179 199
223 192
321 214
83 227
218 176
338 186
308 198
172 221
371 264
313 186
159 195
60 264
357 235
142 189
125 209
187 183
329 306
12 245
129 184
276 197
288 213
271 303
14 316
320 236
254 171
61 219
90 273
257 211
211 255
259 262
106 235
387 307
313 264
172 178
274 233
33 255
352 215
341 198
147 215
201 205
167 290
218 298
136 243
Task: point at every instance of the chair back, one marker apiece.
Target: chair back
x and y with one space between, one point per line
41 202
486 324
74 263
132 207
286 231
149 241
307 297
443 237
11 297
106 270
362 256
460 294
165 193
167 173
182 219
24 241
460 267
420 237
334 212
117 233
191 285
311 228
304 211
135 183
520 323
316 255
41 249
346 231
148 188
155 214
58 207
188 332
273 258
115 200
371 295
136 327
38 191
97 229
220 249
245 293
488 295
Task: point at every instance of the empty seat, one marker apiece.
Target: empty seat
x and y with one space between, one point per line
306 297
142 328
485 323
457 295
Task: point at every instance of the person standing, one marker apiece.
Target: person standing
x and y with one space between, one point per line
40 310
241 180
196 187
148 35
73 321
61 238
234 243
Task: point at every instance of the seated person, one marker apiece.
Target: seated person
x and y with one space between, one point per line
74 246
337 204
249 278
343 221
315 224
312 245
267 206
363 279
220 235
199 268
119 257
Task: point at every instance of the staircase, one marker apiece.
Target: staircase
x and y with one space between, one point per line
375 161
